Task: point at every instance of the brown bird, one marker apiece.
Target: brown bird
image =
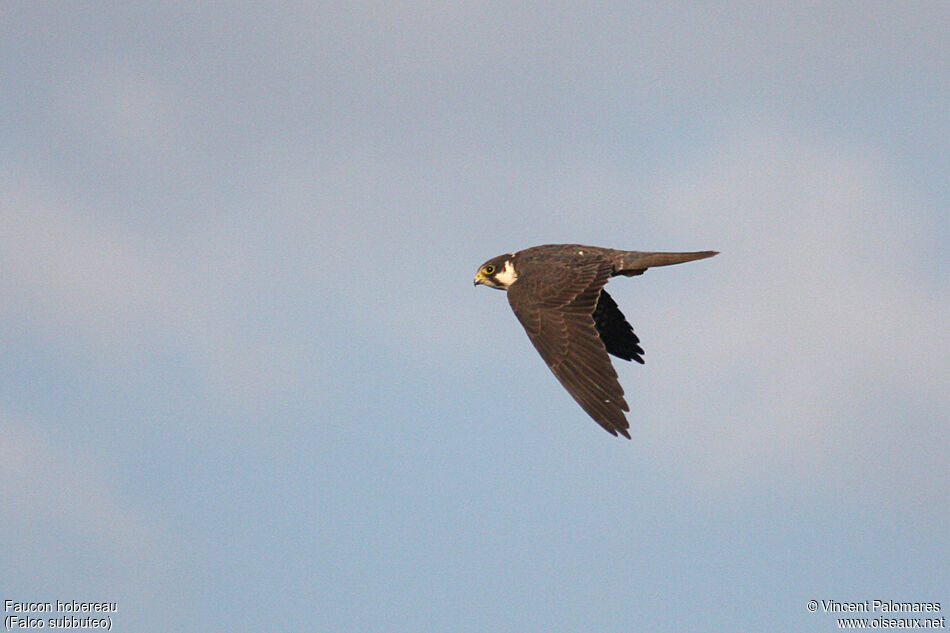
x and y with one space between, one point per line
557 293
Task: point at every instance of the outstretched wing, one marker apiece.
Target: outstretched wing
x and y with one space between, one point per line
555 304
615 332
630 263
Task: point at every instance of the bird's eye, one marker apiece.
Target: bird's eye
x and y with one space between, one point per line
489 270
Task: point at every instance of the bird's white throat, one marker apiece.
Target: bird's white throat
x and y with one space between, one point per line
507 276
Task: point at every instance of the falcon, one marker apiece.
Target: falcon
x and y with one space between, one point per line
557 293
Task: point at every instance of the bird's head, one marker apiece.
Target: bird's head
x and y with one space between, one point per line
497 273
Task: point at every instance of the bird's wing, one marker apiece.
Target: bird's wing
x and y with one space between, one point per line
556 307
630 263
614 331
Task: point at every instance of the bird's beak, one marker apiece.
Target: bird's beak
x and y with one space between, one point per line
479 279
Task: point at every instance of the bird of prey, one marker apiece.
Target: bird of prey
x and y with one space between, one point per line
557 293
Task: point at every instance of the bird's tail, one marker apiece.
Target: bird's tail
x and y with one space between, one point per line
630 263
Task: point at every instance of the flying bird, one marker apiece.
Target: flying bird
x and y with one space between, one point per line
557 293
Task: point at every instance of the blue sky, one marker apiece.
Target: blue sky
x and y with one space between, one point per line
246 380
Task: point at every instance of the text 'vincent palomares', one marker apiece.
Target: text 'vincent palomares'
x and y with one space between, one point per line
879 606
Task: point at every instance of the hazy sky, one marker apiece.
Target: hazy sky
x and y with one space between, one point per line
247 383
